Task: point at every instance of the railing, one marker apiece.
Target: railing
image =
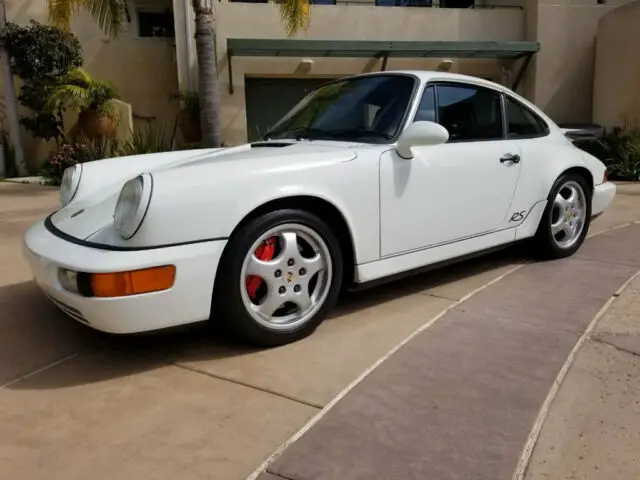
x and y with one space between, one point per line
400 3
313 2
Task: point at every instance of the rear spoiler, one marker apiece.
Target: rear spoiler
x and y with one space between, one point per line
587 131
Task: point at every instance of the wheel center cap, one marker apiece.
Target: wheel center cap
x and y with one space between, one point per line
290 277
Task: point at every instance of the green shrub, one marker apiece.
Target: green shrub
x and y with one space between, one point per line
191 103
40 55
624 143
149 139
81 151
89 150
81 91
58 160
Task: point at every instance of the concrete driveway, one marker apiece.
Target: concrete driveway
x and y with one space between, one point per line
75 404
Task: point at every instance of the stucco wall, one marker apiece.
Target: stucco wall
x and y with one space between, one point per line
616 94
350 22
561 81
143 69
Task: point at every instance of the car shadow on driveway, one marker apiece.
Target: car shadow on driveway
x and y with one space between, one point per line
34 335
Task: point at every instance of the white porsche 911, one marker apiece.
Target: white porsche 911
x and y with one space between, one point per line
368 177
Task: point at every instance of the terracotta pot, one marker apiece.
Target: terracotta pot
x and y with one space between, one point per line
190 129
94 125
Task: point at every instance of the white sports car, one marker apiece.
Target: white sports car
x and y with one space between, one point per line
368 177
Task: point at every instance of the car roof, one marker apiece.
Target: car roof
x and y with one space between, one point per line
435 75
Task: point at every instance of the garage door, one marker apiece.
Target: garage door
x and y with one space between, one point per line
269 99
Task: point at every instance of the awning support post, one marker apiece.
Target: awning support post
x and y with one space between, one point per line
230 72
385 57
521 72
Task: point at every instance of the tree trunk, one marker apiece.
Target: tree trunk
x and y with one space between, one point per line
11 105
208 87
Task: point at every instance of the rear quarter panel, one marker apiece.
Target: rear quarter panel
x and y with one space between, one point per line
545 161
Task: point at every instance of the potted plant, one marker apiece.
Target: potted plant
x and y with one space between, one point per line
188 119
92 98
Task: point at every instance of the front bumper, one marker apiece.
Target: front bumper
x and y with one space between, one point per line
188 301
603 195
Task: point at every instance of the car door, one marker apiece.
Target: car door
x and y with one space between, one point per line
456 190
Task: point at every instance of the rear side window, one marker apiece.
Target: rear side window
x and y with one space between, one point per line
522 122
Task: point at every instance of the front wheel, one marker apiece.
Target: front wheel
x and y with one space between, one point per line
566 219
280 275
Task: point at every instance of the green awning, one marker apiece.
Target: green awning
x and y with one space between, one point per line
260 47
251 47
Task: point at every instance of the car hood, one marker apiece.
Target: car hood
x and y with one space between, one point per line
89 215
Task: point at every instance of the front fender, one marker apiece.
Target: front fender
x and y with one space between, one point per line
190 208
103 176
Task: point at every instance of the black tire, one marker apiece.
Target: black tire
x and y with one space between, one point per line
227 305
544 242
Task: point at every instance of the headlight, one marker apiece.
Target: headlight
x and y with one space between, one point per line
132 205
70 183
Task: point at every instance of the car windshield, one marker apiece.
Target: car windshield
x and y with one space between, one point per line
368 108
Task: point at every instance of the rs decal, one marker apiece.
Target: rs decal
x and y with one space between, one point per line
516 217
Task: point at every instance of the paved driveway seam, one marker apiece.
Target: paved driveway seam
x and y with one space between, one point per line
39 370
534 435
248 385
607 341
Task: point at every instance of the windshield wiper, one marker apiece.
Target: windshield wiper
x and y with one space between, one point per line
360 132
311 133
339 133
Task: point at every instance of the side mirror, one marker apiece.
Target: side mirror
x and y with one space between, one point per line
420 134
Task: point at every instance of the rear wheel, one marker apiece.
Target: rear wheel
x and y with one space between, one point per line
280 275
566 219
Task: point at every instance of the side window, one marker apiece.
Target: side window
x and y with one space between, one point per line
427 108
470 113
522 121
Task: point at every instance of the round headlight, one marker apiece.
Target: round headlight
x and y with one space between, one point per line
70 183
132 205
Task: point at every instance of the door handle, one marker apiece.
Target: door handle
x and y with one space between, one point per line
510 158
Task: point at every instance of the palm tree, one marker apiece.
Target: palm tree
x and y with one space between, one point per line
294 14
112 16
209 90
11 105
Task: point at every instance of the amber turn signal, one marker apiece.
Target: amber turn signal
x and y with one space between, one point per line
122 284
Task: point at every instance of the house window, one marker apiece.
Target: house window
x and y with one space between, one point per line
456 3
155 24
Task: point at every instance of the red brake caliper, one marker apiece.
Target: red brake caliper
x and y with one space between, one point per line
265 253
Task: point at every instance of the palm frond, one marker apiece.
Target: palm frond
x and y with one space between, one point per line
294 14
79 76
110 15
61 11
77 97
